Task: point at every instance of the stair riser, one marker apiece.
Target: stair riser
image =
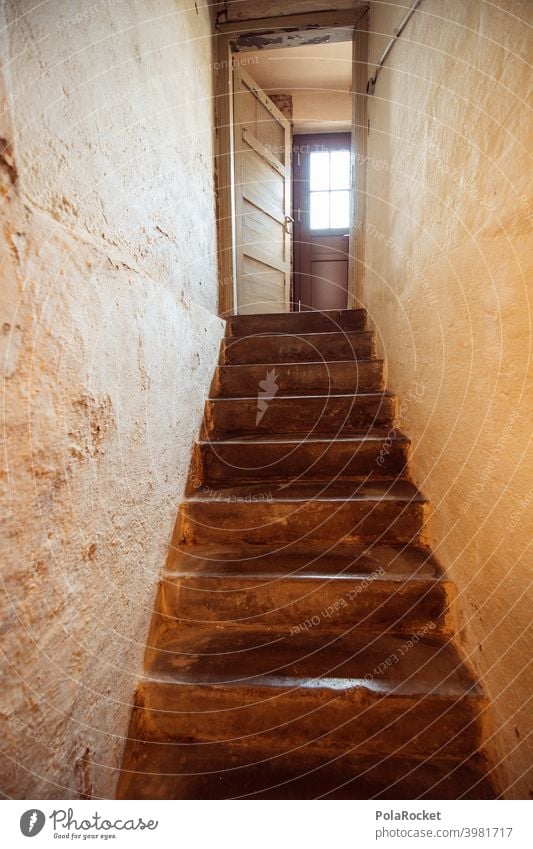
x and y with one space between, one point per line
301 605
303 322
293 349
266 522
248 462
295 378
167 771
323 720
322 414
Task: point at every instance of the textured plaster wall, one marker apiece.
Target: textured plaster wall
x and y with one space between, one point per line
109 338
322 111
449 253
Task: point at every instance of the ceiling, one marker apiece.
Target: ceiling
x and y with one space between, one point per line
314 66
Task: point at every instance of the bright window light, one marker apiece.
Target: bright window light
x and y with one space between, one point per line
329 181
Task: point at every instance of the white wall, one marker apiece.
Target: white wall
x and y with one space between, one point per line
110 335
448 257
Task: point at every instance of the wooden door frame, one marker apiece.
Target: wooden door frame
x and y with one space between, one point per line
309 139
286 31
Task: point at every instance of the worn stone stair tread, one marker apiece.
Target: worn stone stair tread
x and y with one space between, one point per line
333 377
397 592
303 491
237 458
354 438
229 771
371 393
257 324
343 345
301 363
318 413
340 561
207 655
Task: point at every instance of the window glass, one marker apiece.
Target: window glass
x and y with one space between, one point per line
339 216
339 169
320 205
319 171
329 181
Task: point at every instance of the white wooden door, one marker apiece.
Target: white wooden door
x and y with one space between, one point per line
262 179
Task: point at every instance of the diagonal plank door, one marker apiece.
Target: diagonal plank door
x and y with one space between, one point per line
261 143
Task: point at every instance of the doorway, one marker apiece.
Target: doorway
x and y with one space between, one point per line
286 179
322 203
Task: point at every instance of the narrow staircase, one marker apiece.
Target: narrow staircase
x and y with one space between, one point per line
302 640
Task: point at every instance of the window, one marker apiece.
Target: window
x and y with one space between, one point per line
330 190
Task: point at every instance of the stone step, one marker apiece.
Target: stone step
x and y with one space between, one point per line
300 644
228 771
328 321
297 594
302 347
315 415
362 691
358 512
396 562
241 459
265 381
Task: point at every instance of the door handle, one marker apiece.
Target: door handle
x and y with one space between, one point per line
289 221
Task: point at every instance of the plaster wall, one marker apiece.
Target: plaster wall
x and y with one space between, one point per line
109 338
322 111
448 257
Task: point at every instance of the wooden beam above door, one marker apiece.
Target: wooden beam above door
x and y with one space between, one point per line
249 10
293 30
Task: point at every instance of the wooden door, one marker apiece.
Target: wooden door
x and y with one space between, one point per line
262 180
322 202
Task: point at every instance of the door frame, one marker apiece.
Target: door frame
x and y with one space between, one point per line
336 139
285 31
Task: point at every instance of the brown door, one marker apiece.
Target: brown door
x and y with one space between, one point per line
322 221
262 179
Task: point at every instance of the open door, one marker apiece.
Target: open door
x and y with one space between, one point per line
262 182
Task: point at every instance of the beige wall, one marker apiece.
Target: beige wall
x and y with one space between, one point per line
448 255
322 111
110 334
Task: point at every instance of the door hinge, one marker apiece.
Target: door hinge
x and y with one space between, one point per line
298 160
298 217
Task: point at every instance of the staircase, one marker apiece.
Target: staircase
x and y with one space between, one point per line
301 644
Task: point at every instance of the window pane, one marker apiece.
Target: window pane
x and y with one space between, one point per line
340 169
340 210
320 210
319 167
